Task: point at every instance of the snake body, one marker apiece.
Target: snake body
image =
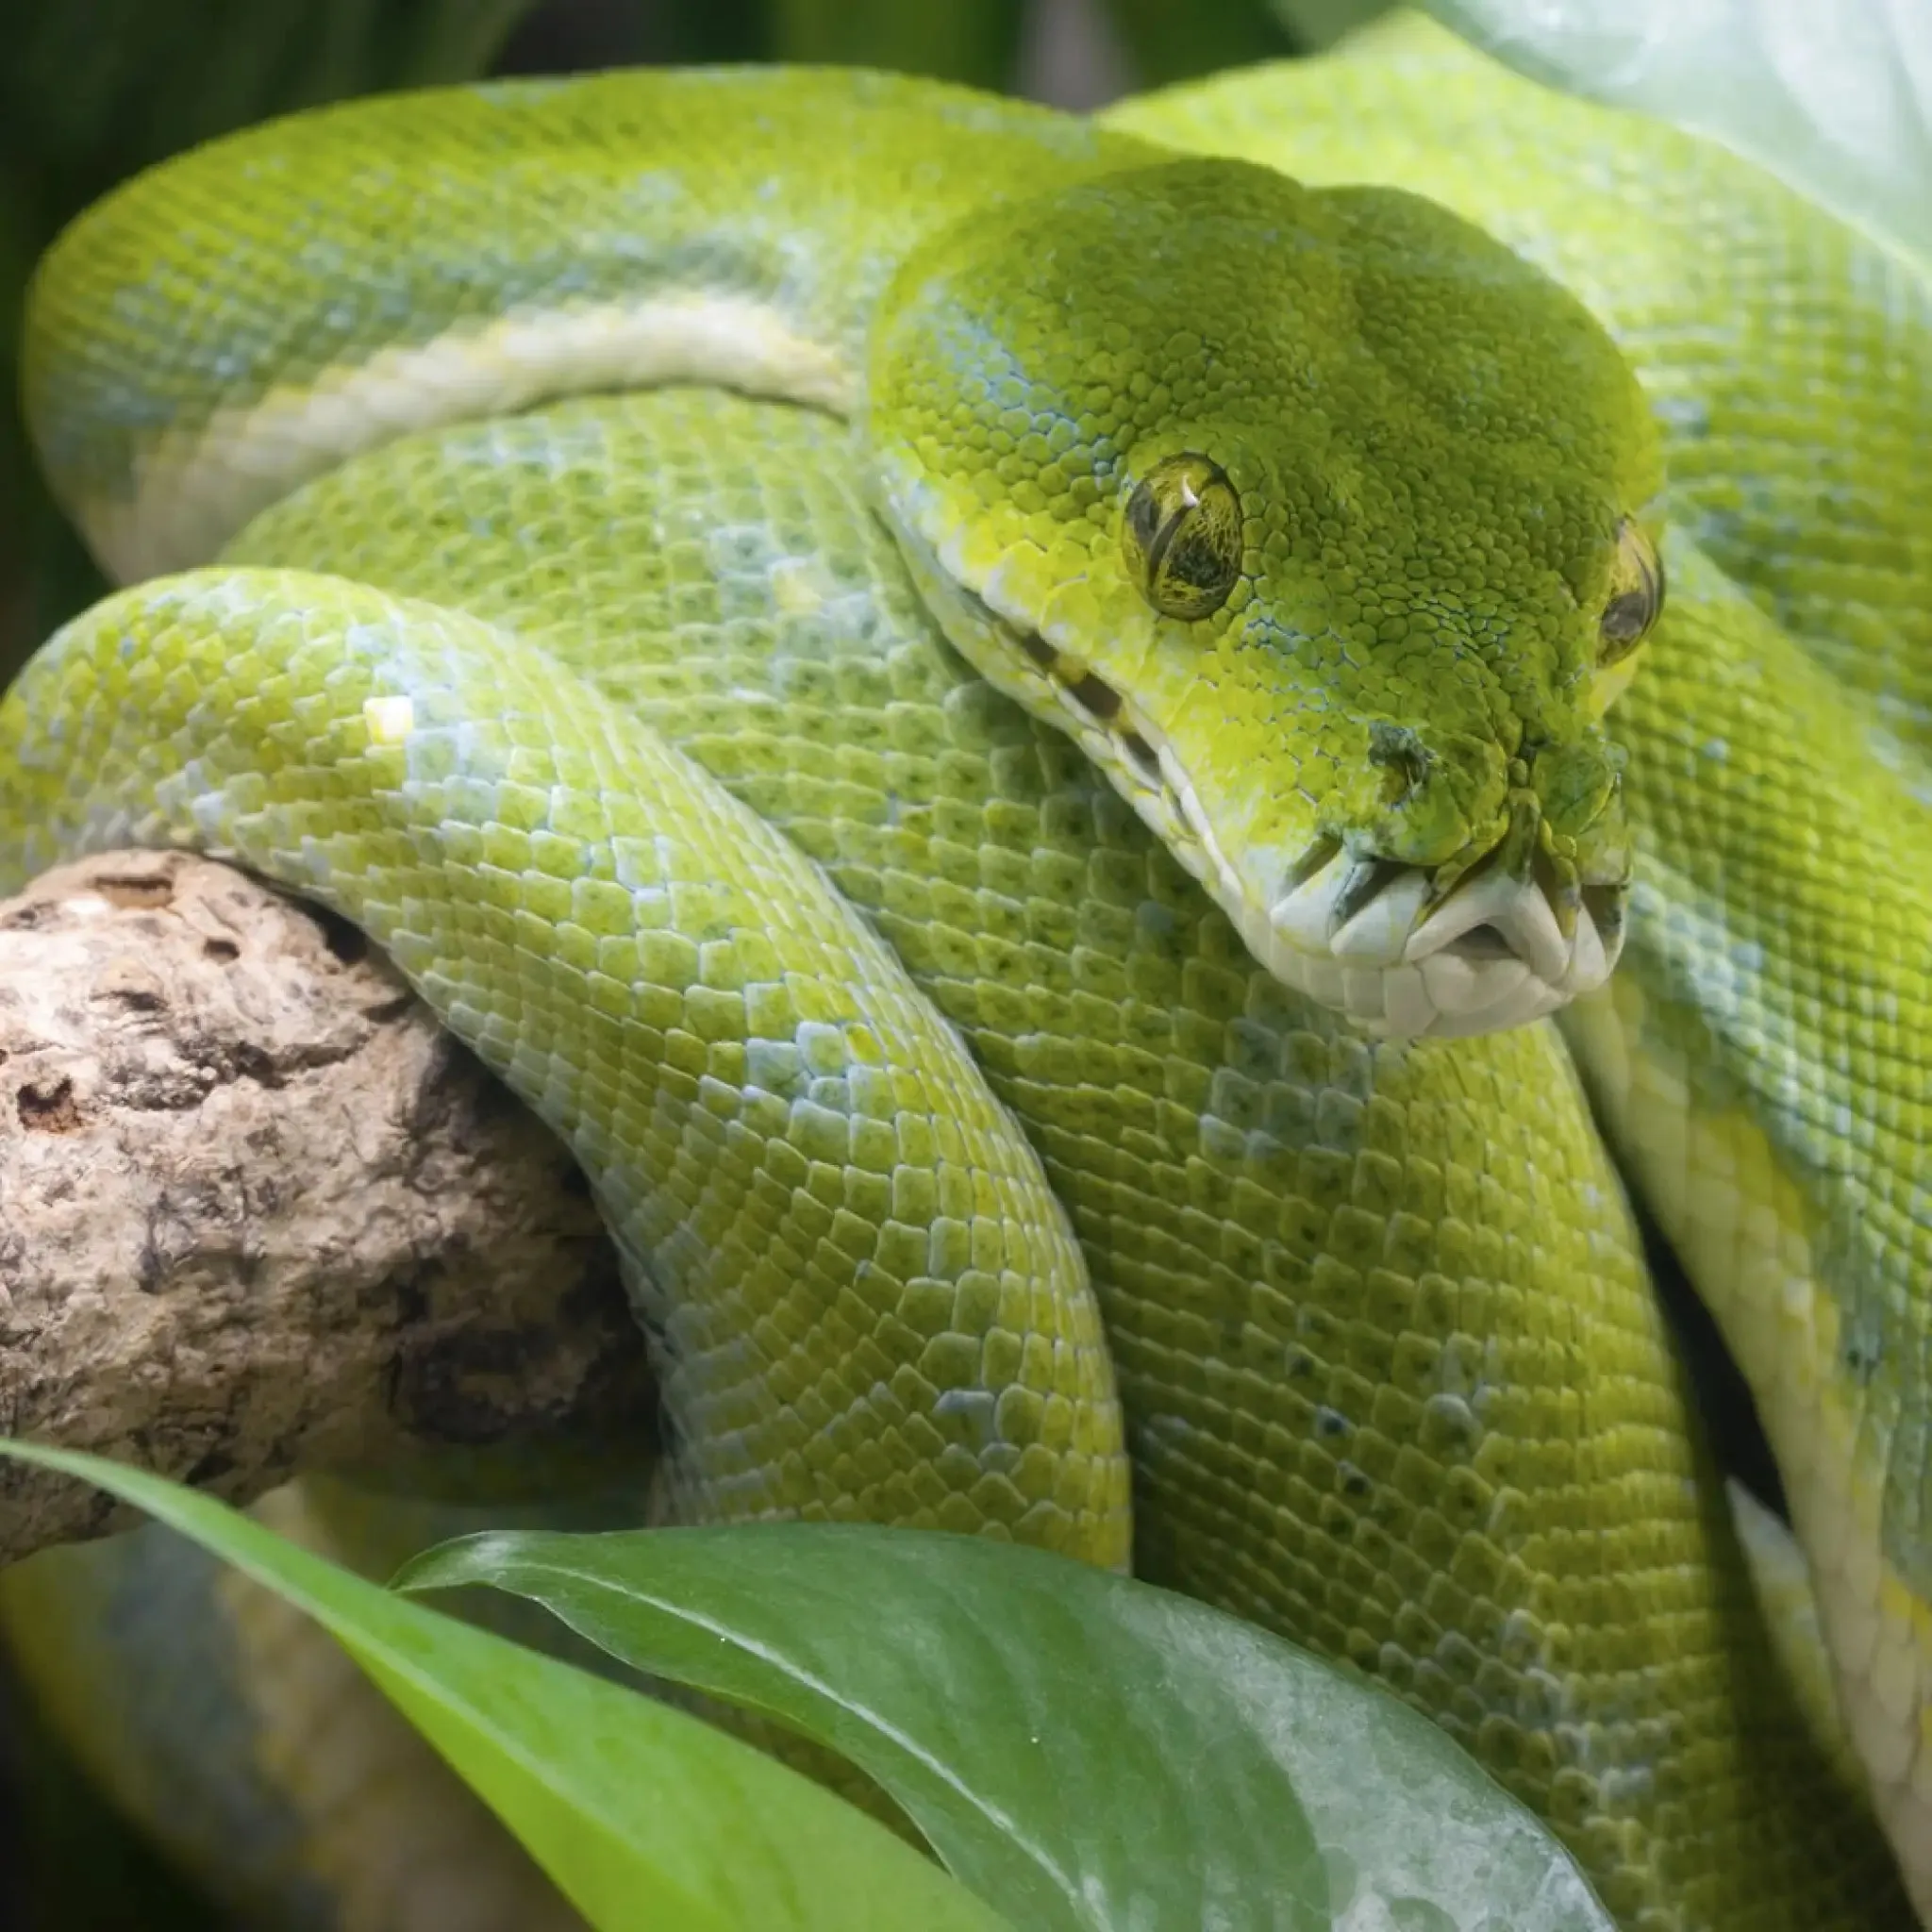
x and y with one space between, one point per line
964 1149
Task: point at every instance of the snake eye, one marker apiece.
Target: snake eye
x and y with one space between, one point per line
1182 537
1636 595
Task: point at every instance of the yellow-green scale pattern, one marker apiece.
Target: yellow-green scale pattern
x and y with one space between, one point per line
1393 1379
601 196
1761 1060
863 1300
1761 1066
1429 525
1390 1376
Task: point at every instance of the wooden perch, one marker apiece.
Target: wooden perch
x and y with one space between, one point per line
257 1213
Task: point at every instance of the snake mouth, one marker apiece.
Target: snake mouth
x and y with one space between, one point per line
1371 938
1374 939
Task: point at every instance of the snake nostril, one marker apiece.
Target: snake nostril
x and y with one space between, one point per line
1365 881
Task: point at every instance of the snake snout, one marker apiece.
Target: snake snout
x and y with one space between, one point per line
1376 938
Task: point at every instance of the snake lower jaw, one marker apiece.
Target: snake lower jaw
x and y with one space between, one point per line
1360 937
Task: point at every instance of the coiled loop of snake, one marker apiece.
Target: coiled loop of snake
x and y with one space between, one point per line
1334 592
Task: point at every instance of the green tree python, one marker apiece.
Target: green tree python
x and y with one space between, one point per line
1005 721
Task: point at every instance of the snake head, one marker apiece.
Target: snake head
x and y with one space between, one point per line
1326 525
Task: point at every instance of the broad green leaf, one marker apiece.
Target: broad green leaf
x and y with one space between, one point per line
1083 1750
642 1816
1833 96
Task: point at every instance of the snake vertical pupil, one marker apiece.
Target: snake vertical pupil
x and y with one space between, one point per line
1637 594
1182 536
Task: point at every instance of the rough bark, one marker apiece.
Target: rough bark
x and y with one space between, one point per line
259 1215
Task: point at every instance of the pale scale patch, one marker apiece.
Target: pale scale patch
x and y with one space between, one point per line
194 491
389 720
800 585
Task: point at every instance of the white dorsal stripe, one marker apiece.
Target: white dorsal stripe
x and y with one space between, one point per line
194 489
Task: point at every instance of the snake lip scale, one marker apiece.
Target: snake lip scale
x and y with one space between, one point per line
1489 954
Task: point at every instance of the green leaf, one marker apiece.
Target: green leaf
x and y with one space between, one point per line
1835 96
644 1816
1317 24
974 41
1166 42
1083 1750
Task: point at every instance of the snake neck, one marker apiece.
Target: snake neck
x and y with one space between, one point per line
412 262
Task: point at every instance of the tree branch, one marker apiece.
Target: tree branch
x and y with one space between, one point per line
259 1215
